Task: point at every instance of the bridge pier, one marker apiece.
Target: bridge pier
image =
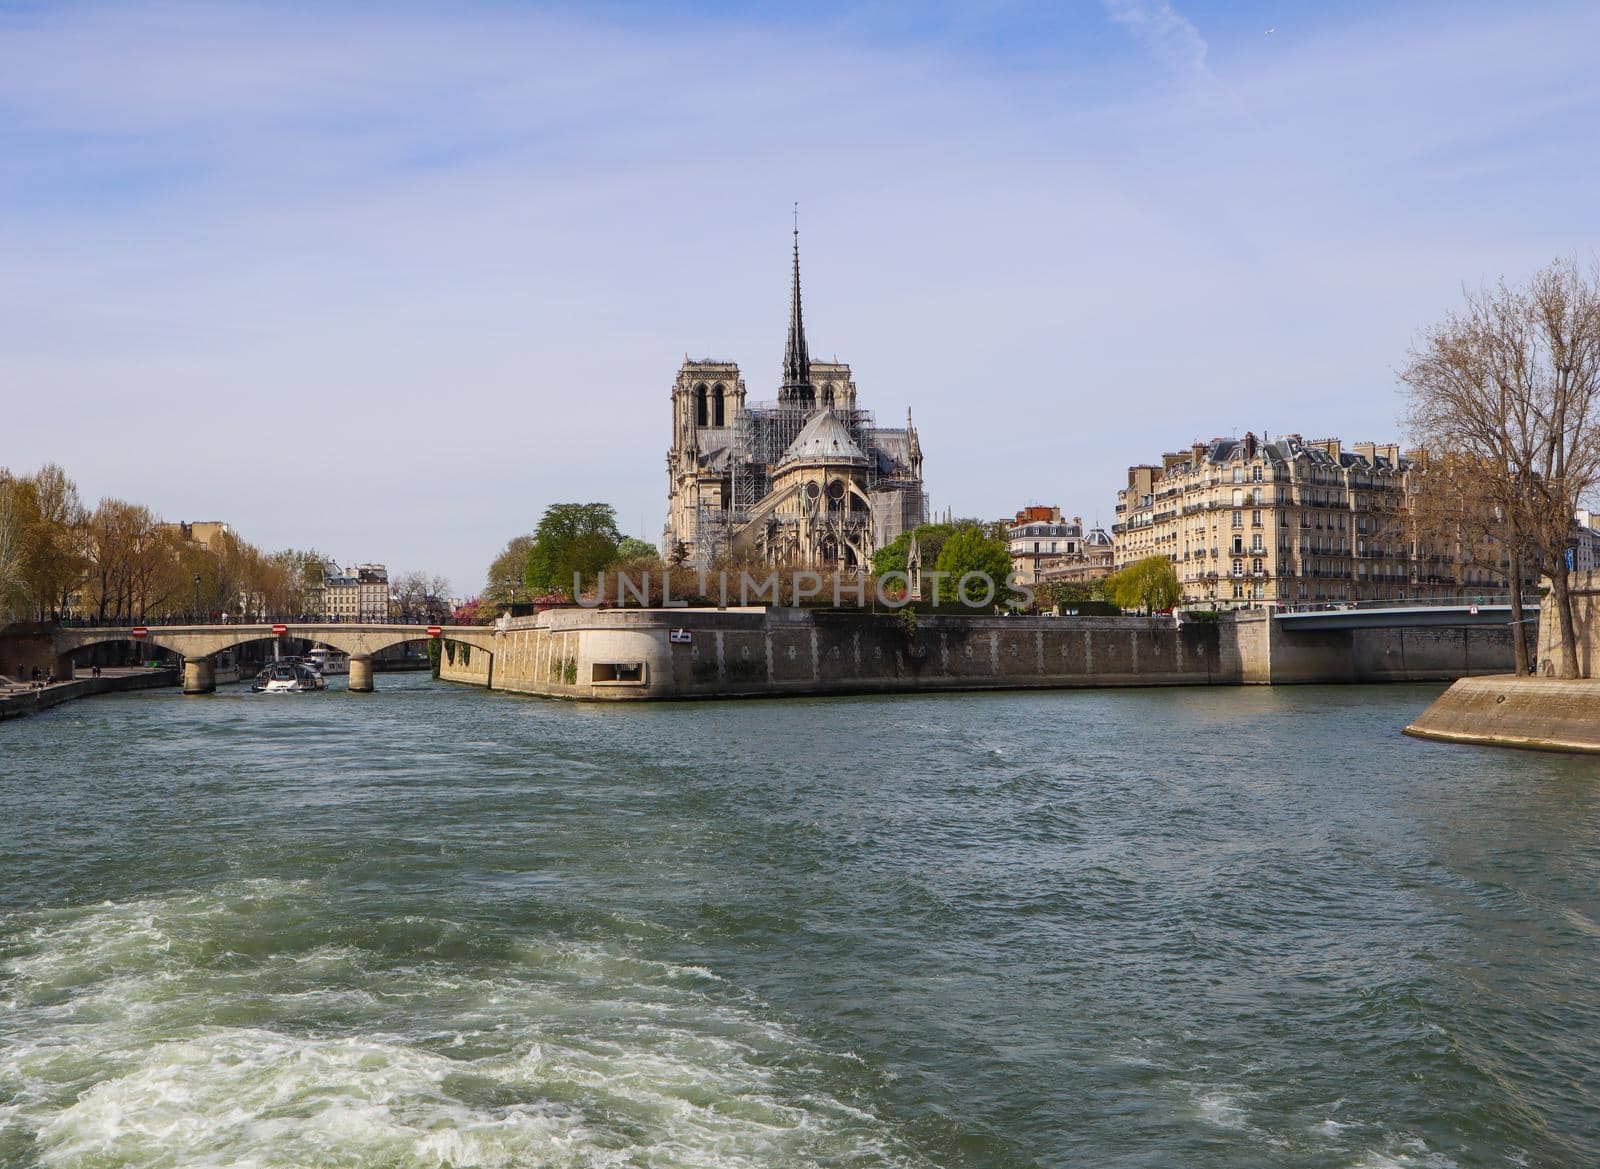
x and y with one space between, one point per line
200 675
361 674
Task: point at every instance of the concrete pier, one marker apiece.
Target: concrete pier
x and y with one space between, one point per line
199 675
1542 714
361 675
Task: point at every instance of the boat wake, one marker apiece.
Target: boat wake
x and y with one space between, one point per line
237 1026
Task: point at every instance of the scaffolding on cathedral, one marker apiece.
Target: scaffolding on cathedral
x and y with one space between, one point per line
764 430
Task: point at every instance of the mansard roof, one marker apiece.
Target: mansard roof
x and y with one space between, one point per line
823 439
1292 448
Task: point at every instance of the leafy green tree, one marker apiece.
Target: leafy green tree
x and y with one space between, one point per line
1150 584
892 557
1064 592
573 539
969 550
506 573
931 539
633 548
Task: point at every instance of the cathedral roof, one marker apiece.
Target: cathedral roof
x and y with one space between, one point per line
824 439
893 450
712 447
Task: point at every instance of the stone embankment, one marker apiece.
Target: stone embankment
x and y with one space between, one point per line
1545 714
18 700
647 654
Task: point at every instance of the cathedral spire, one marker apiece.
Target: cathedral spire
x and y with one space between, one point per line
796 359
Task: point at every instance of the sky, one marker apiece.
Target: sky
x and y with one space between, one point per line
387 280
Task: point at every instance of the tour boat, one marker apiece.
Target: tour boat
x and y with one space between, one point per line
288 678
327 661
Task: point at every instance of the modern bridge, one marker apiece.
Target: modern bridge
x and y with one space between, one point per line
199 645
1481 609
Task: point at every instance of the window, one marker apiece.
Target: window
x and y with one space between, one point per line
1255 519
1238 519
718 417
1255 565
1238 568
700 406
1238 476
1255 474
1257 544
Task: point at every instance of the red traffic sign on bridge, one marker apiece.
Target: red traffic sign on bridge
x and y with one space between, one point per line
279 630
435 631
139 631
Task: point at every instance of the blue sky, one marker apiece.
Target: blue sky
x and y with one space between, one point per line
444 259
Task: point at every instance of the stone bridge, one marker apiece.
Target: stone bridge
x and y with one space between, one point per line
1402 615
200 644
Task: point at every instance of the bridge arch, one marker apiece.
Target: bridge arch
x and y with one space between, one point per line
200 643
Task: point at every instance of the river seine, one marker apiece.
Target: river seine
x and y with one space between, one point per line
434 926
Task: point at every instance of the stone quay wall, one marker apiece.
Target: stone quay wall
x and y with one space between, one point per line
641 654
1585 589
31 701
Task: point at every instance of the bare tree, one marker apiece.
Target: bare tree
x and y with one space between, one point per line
1510 383
13 578
421 597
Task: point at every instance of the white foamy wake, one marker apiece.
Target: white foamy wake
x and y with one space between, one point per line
166 1032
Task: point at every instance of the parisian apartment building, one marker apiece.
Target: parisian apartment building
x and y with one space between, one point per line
359 593
1046 546
1262 523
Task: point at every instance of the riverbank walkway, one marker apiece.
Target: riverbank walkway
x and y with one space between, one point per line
18 698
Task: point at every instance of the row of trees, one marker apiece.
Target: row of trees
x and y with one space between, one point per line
118 562
1504 400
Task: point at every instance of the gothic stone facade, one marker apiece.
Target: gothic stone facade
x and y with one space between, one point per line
809 479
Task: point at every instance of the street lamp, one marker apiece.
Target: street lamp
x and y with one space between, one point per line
197 597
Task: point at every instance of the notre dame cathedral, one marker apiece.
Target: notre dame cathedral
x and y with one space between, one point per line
809 480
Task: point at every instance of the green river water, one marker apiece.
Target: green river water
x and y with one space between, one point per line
434 926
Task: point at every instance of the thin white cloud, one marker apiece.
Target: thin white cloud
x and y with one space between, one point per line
1164 31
